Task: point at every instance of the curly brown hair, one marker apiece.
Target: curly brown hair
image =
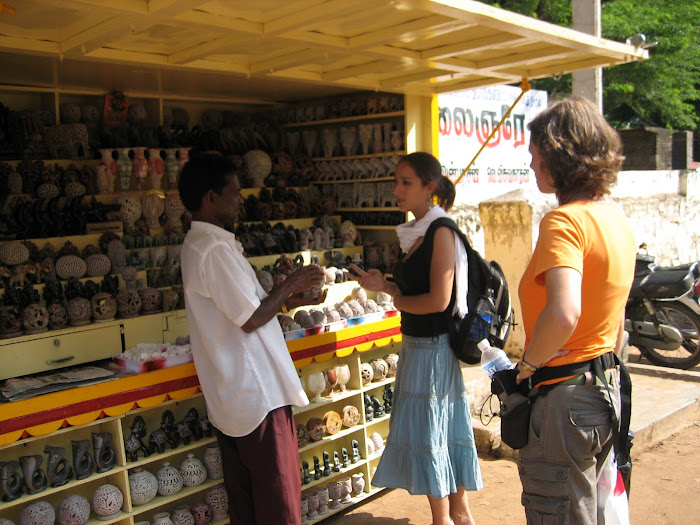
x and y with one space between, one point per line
581 151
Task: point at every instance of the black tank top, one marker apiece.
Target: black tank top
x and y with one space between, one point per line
413 278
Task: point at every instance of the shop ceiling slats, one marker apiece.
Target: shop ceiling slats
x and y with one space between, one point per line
409 46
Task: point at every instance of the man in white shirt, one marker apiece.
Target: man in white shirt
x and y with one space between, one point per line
245 371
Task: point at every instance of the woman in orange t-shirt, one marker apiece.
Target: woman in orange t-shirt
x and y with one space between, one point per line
573 295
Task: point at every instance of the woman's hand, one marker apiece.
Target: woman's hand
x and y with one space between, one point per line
372 280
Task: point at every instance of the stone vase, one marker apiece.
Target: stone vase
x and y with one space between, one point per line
110 169
334 494
202 514
156 168
140 168
174 209
125 168
217 499
152 207
172 167
161 518
212 460
169 480
313 505
345 490
193 471
182 516
322 500
143 486
358 484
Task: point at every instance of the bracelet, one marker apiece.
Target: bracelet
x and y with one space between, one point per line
527 366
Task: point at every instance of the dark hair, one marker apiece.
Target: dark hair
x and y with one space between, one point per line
428 169
582 152
203 172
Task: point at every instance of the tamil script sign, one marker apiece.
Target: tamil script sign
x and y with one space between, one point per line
467 118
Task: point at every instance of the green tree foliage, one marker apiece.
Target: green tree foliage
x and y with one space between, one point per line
662 91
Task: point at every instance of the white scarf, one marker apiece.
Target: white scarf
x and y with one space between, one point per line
411 231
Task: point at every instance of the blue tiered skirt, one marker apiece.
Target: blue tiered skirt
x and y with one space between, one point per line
430 449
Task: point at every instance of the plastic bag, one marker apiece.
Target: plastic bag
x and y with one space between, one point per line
611 491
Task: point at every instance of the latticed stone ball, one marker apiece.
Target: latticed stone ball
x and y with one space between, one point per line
13 253
98 265
70 266
74 189
47 191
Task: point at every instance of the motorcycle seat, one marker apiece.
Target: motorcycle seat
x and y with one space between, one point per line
668 284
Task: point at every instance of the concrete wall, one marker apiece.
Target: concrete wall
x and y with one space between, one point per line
663 208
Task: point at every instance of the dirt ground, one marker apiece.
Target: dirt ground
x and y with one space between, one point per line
665 486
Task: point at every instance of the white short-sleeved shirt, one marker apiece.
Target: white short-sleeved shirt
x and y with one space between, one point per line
243 376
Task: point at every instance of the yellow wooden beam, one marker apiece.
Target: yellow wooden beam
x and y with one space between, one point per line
15 44
310 16
413 77
397 32
210 47
465 47
288 61
362 69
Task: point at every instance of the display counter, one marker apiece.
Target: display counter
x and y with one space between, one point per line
28 427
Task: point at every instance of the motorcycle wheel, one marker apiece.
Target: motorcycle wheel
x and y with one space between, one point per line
687 323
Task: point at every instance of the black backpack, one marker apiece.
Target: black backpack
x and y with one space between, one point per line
487 295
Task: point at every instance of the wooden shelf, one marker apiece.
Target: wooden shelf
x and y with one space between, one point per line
368 156
373 116
365 209
326 401
159 501
325 479
182 448
377 227
326 439
346 181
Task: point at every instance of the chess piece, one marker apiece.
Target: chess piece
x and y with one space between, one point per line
326 464
336 462
355 451
306 474
317 468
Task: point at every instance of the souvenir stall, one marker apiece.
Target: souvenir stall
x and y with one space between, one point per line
101 416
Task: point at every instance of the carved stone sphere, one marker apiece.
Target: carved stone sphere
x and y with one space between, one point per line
103 306
151 300
74 189
128 303
70 266
39 513
73 510
35 319
13 253
47 191
98 265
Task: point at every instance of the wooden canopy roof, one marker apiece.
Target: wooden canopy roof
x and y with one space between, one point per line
274 49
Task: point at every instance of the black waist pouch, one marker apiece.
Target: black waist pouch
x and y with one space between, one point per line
516 408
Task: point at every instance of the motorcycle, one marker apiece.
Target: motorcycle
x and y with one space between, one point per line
662 315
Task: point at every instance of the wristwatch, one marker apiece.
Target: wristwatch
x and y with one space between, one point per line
527 366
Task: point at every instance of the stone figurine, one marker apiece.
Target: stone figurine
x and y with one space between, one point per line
10 481
326 464
346 458
355 451
58 468
388 398
104 453
377 406
82 461
306 476
192 421
336 462
317 468
134 441
165 434
34 478
369 409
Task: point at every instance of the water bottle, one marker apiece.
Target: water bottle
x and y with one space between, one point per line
485 307
493 359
